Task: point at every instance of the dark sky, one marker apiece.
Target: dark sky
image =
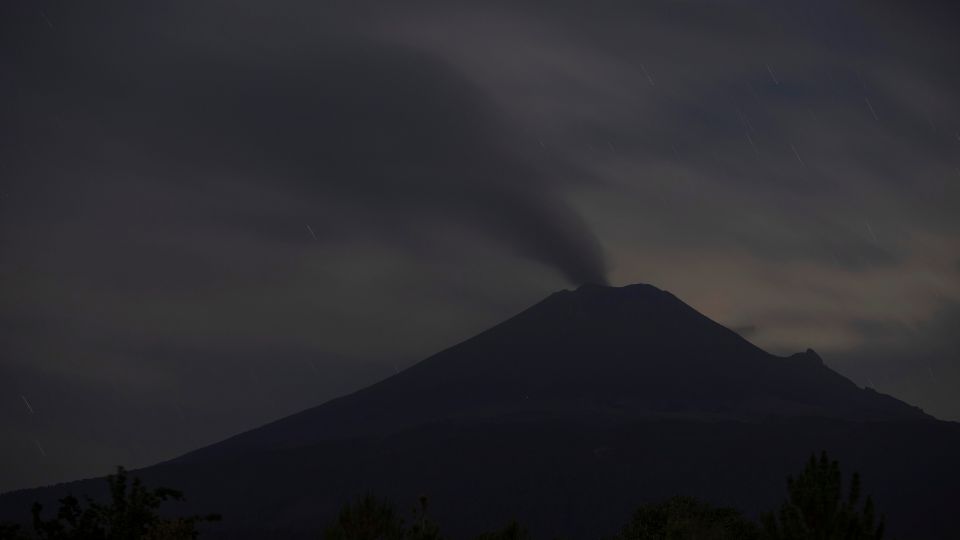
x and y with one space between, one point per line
214 214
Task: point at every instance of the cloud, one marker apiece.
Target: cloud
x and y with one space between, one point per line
790 170
394 133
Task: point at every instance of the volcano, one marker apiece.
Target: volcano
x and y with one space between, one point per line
600 354
566 416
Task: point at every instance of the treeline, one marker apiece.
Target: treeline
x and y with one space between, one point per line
132 514
817 507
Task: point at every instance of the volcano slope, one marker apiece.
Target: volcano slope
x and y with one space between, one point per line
566 417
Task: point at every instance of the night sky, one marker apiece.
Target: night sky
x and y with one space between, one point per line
214 214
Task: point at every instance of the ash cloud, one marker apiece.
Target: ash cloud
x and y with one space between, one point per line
394 133
160 168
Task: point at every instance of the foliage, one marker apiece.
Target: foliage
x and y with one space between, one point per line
686 518
369 518
131 515
10 531
422 528
816 508
512 531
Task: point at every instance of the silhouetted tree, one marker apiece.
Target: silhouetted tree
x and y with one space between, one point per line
131 515
10 531
422 528
512 531
369 518
686 518
816 508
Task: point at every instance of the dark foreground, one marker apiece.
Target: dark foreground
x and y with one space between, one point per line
560 479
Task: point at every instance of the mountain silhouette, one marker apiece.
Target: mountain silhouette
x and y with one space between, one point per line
605 353
567 416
